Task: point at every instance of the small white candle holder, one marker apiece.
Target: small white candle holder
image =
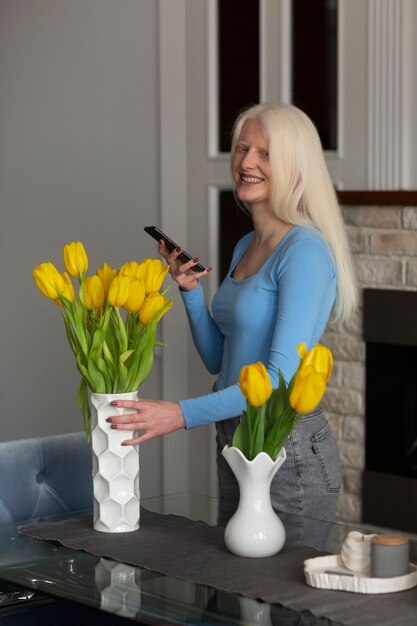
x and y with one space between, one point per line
356 551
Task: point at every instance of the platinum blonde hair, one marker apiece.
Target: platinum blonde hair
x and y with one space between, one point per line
301 189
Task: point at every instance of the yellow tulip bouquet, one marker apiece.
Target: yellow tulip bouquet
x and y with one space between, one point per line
113 350
271 415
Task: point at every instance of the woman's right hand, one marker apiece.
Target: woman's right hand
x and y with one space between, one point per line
181 272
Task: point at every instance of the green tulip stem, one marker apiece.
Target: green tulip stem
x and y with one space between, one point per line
121 330
258 432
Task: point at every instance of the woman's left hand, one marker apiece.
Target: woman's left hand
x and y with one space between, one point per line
154 417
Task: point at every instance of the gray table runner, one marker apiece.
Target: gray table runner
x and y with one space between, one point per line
194 551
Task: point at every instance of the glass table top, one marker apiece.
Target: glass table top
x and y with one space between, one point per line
140 595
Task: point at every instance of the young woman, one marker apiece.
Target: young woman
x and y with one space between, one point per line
286 279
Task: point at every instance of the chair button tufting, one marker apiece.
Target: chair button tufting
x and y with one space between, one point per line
39 478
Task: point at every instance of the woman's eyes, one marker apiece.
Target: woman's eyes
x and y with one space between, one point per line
262 153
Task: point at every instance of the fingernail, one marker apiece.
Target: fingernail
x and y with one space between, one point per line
124 443
108 419
196 260
114 426
178 249
113 403
209 269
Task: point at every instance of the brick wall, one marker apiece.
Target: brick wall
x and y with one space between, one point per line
383 241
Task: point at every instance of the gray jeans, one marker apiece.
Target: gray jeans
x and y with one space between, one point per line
307 484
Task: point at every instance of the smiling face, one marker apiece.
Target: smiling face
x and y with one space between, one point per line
250 165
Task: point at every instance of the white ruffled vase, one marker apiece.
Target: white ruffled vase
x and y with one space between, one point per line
115 468
254 530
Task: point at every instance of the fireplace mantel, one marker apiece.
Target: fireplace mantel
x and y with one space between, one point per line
378 198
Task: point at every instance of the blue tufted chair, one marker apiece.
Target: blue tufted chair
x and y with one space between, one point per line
44 476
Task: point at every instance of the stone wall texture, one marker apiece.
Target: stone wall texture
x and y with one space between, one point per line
383 241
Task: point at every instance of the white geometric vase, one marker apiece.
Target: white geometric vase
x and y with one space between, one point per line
115 468
254 530
119 587
255 612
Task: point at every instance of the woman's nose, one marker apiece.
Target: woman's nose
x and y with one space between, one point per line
248 160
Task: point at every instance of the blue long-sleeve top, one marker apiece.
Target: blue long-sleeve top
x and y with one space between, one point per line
261 318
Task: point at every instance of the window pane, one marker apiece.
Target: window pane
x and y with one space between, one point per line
238 29
314 55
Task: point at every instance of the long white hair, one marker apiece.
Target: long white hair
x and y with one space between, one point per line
301 189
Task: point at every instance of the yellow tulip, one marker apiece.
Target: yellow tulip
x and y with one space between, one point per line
142 266
311 378
152 304
49 280
75 258
106 273
119 291
129 269
255 383
68 292
136 296
94 293
153 273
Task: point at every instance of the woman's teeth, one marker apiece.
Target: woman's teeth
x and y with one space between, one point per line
251 179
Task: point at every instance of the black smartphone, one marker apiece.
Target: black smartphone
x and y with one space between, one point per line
157 234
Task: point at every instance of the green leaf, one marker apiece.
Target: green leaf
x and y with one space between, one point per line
100 334
277 403
278 435
121 330
142 366
98 382
78 315
82 398
70 336
142 362
124 357
134 328
258 432
107 354
112 344
74 327
291 384
102 367
241 437
83 369
138 349
121 378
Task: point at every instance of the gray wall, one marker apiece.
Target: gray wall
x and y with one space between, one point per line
79 160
